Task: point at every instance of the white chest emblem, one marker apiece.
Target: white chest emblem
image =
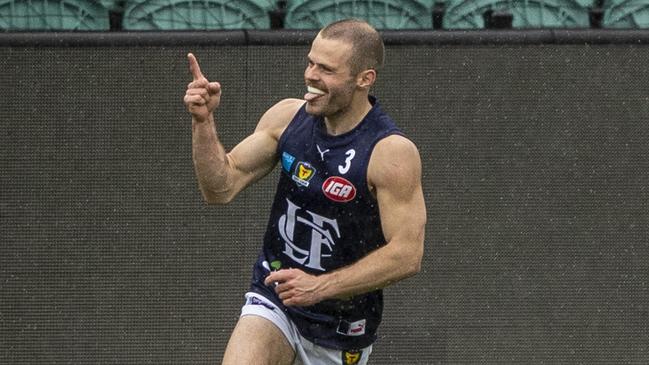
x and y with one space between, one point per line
323 233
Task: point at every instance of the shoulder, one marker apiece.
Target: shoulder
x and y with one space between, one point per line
278 116
394 163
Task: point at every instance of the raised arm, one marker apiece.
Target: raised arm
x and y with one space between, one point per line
222 175
394 173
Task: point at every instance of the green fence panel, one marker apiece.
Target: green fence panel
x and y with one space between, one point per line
468 14
626 14
382 14
197 14
44 15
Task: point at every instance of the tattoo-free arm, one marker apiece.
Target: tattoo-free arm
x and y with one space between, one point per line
395 174
222 175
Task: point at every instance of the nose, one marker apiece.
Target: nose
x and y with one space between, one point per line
310 73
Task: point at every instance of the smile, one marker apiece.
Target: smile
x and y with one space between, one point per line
313 93
314 90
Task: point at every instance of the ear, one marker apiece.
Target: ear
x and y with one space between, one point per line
366 78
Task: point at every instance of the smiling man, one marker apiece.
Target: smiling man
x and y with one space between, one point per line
348 216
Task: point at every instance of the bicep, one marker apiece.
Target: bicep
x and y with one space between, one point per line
396 177
255 156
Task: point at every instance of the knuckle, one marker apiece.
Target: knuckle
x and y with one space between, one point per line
196 100
197 84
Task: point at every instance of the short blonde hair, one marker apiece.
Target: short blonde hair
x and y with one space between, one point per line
367 45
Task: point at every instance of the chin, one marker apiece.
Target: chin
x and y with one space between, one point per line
314 110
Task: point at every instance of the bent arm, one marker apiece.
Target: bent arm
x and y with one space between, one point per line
222 175
397 183
395 173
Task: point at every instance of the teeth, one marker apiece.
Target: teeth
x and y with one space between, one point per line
313 90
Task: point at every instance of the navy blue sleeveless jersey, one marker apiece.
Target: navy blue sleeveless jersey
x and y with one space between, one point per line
323 218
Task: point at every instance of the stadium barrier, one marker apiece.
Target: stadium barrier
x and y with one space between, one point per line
534 150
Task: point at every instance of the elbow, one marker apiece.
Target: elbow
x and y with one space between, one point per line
414 262
414 267
211 198
407 259
408 266
212 201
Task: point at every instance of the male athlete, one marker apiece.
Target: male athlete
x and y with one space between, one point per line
348 216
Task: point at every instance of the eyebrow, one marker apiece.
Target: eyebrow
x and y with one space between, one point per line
323 65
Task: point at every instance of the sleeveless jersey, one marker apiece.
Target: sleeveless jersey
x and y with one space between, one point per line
324 217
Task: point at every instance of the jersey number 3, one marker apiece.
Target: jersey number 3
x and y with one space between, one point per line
348 161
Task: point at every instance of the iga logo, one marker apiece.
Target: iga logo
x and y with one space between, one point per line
339 189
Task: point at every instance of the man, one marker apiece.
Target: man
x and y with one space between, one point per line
348 217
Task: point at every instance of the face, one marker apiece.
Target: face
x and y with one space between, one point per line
329 72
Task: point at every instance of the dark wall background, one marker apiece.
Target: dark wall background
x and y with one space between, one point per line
535 175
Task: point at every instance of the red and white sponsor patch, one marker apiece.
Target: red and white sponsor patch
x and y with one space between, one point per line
339 189
352 328
357 328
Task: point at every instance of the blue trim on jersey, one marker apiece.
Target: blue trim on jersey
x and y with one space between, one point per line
287 161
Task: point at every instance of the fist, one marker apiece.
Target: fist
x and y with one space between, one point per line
202 96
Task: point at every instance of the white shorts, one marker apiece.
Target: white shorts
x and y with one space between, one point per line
306 352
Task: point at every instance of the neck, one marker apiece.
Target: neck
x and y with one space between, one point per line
349 118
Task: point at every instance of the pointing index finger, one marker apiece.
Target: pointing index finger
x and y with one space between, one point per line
194 68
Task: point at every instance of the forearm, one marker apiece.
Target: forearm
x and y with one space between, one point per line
387 265
210 161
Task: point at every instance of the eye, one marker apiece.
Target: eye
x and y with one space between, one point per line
322 68
326 70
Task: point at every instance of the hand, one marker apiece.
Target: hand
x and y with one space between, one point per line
295 287
202 96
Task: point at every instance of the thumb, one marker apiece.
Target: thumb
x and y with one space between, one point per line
194 68
213 88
